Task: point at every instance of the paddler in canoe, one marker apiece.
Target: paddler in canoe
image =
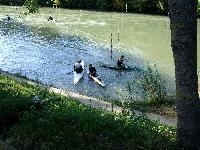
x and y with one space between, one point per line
50 18
8 18
120 62
78 67
93 74
92 71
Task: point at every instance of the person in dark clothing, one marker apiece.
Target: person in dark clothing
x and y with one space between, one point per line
50 18
92 70
120 61
78 67
8 18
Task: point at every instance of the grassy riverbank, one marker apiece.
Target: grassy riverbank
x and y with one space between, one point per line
33 118
167 109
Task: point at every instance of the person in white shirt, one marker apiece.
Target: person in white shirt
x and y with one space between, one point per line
78 67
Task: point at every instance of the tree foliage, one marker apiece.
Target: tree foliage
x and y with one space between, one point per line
57 2
145 6
32 5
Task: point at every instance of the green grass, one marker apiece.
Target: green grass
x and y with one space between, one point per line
14 99
57 122
168 109
143 105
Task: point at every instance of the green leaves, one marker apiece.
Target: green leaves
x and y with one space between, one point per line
152 85
32 6
198 7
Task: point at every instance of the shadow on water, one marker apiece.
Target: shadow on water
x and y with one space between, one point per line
44 54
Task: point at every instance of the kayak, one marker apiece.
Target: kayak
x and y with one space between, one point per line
78 76
97 79
128 68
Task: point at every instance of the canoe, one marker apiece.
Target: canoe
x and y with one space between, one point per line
128 68
97 79
78 76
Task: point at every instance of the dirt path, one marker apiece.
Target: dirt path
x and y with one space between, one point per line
95 103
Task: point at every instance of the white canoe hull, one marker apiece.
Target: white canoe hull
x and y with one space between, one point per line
97 79
78 76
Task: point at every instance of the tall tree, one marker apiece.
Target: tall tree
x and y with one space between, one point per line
183 24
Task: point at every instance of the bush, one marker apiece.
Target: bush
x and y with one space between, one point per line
153 86
32 6
150 85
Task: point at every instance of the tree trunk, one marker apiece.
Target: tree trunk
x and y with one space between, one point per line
183 24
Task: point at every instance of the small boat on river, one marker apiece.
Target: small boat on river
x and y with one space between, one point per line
78 76
127 68
97 79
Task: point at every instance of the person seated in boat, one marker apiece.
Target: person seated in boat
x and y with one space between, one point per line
8 18
78 67
120 61
92 70
50 18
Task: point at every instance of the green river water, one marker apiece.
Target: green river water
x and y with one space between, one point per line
46 50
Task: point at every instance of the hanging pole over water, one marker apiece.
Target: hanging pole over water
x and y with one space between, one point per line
111 46
122 17
118 35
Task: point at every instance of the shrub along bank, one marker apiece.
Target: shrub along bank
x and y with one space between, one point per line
33 118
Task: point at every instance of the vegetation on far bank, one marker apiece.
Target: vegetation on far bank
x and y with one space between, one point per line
33 118
141 6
